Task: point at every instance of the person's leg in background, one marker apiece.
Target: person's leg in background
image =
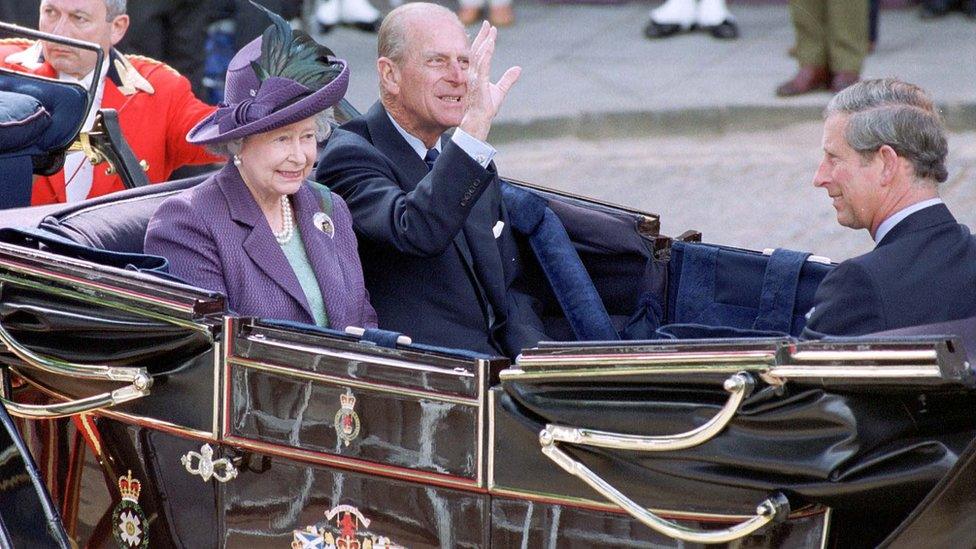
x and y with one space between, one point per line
873 24
809 23
500 13
676 16
670 18
714 16
847 41
470 11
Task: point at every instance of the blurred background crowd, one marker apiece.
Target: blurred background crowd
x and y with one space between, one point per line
198 37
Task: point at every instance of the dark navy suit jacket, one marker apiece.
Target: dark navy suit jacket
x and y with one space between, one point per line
433 267
923 271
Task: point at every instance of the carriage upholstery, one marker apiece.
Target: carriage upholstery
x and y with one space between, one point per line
590 267
115 222
39 118
718 291
595 275
561 243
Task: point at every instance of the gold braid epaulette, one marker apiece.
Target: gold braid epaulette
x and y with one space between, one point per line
131 56
16 41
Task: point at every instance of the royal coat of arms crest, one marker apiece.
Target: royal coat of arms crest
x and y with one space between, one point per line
130 528
345 528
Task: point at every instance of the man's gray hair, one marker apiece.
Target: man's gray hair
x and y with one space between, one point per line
392 39
114 8
898 114
323 129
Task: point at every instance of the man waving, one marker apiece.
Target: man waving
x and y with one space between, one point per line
438 253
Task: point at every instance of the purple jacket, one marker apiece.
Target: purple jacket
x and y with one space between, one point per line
216 237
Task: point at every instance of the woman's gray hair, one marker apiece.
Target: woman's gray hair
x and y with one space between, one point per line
323 129
114 8
898 114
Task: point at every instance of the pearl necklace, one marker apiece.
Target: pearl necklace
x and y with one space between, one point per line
287 227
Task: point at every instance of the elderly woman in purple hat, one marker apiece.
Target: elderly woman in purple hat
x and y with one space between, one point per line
277 245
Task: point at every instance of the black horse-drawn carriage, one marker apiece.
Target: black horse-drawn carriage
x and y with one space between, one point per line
678 406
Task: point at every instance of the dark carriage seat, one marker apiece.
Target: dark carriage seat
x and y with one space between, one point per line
115 222
726 292
39 118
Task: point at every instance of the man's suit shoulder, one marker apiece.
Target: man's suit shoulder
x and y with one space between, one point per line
848 301
344 137
356 126
346 146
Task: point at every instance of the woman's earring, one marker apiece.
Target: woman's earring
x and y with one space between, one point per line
237 160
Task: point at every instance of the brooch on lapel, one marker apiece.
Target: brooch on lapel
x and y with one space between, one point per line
324 223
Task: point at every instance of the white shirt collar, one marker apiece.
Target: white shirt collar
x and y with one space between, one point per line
86 80
415 143
900 215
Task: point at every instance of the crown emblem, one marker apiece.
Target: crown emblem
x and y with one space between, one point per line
346 421
130 487
130 525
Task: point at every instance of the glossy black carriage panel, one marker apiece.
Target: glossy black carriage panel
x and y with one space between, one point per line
276 501
76 328
402 430
526 523
334 398
134 490
865 427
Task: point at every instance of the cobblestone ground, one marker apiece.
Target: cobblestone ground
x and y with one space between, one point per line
750 189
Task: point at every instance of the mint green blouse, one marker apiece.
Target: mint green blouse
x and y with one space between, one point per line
298 259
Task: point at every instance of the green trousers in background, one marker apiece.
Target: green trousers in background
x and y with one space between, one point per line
831 33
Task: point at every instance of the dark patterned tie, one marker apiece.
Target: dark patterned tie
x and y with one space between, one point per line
431 157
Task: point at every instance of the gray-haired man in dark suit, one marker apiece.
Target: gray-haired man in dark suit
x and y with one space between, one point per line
884 158
438 253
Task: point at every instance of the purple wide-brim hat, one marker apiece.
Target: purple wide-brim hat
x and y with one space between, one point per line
251 106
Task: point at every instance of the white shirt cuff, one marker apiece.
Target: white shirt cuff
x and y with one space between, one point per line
481 152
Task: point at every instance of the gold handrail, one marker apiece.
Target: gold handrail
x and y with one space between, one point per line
739 385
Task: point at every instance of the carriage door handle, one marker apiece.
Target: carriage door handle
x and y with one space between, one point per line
740 385
204 465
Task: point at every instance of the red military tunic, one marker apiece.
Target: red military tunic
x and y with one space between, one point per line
156 110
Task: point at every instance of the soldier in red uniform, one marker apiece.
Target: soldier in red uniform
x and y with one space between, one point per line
155 104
